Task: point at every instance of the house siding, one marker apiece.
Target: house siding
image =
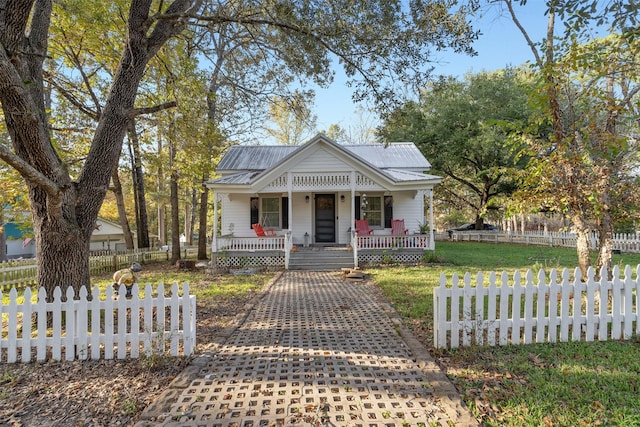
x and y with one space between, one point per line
237 212
319 160
408 206
302 218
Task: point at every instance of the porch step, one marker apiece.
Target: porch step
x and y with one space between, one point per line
320 259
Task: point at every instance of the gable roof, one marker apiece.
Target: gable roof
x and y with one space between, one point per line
395 163
400 155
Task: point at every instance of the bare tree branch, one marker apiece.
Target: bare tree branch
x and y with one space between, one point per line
27 171
150 110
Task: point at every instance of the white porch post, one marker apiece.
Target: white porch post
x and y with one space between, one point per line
289 199
352 224
214 239
353 199
288 239
432 243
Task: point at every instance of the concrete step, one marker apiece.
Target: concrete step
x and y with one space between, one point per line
320 260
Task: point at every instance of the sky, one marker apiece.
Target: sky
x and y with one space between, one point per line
500 44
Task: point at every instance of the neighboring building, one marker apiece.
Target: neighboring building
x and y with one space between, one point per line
107 236
311 195
18 241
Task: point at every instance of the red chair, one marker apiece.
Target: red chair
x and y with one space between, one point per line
261 232
397 227
362 227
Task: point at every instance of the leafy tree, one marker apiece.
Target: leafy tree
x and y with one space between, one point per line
294 120
361 131
381 44
587 90
464 129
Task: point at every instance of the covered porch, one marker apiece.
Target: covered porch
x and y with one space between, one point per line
299 221
238 252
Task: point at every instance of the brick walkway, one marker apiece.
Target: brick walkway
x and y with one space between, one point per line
314 350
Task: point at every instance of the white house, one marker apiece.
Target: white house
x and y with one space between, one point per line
107 236
311 196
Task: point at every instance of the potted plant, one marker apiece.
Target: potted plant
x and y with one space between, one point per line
423 227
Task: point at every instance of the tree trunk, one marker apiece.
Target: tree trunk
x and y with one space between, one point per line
188 231
162 225
3 238
175 219
142 218
122 213
605 247
202 226
62 260
64 211
162 236
175 212
605 228
582 244
192 217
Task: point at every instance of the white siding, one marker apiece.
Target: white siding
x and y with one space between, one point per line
105 244
319 160
237 211
410 207
16 250
302 218
343 223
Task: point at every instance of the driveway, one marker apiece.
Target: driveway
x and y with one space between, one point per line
313 350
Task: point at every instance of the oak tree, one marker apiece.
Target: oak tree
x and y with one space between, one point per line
382 45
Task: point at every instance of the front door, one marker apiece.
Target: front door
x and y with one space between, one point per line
325 218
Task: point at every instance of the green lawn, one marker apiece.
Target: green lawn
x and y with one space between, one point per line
566 384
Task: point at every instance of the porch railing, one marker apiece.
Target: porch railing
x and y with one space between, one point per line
250 244
417 241
288 244
354 247
284 243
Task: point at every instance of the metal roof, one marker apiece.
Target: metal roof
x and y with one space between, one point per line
238 178
402 155
401 175
254 157
397 155
14 231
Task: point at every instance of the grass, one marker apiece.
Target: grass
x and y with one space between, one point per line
564 384
201 284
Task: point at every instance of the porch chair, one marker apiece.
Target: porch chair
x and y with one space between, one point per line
261 232
362 227
397 227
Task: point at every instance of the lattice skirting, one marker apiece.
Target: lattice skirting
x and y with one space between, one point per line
250 259
377 257
276 259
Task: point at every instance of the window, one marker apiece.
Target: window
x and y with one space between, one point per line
270 212
371 209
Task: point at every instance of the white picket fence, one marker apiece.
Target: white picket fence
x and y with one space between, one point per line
97 328
525 310
620 241
22 273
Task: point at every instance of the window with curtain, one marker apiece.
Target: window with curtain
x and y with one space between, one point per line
372 212
270 212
